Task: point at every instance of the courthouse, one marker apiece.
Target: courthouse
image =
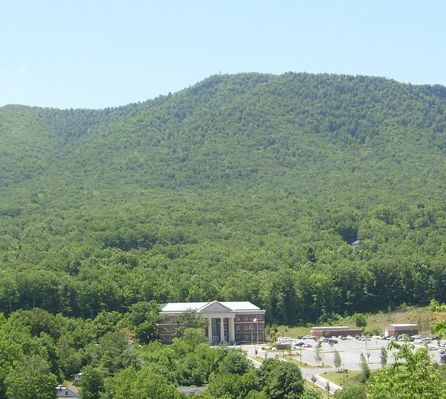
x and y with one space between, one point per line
231 322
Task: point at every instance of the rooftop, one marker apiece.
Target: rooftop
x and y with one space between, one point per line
404 325
332 328
196 306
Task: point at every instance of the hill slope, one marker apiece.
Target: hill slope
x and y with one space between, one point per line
246 186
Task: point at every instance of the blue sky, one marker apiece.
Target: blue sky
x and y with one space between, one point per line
97 53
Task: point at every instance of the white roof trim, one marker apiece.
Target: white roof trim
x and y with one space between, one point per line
180 307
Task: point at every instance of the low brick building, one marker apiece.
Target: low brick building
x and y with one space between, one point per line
394 330
335 331
232 322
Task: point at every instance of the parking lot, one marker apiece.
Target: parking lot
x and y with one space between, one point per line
350 352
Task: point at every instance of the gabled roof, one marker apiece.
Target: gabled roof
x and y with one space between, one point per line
179 307
240 305
404 325
182 306
214 307
64 392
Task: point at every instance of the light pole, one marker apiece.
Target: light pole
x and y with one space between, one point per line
257 331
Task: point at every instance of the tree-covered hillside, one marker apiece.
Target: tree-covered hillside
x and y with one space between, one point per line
246 186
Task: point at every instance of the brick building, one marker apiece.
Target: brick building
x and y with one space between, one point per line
399 329
335 331
232 322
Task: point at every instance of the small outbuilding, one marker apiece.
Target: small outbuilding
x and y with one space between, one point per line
335 331
77 378
63 392
393 330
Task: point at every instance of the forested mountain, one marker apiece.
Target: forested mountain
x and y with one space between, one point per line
241 187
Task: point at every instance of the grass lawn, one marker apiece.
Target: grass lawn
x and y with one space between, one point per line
309 384
293 332
296 360
350 378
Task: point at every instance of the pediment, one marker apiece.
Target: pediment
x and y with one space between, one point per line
214 307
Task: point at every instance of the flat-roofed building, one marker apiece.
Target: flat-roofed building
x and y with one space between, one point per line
394 330
232 322
334 331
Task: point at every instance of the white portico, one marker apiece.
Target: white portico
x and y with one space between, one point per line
226 321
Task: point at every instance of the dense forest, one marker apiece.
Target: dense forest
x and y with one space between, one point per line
241 187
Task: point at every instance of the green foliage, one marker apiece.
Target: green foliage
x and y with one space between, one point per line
311 394
317 353
360 319
435 306
383 357
364 367
142 384
351 392
412 375
143 317
235 386
113 353
243 187
234 362
281 380
188 320
337 360
31 379
438 328
92 383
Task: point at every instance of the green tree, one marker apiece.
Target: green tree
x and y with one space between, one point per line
360 320
92 383
235 386
337 360
351 392
143 318
31 379
187 320
281 380
234 362
142 384
317 353
111 354
364 367
311 394
383 357
412 375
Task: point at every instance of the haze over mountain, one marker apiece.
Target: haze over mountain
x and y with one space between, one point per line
245 186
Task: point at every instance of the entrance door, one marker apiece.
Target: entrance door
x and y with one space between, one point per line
215 325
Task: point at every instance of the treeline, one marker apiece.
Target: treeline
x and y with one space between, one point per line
289 296
39 350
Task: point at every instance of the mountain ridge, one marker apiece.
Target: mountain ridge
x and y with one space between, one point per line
251 175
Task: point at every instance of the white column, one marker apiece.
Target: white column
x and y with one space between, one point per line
222 329
231 330
210 330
